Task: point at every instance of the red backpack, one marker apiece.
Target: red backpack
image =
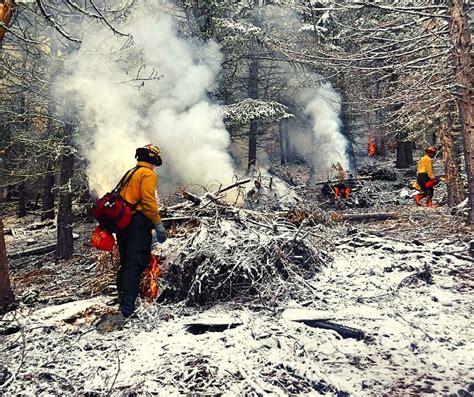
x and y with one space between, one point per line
112 211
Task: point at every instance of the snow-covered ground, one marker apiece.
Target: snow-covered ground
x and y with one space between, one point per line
417 324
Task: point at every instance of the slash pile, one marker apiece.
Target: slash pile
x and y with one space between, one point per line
223 260
220 252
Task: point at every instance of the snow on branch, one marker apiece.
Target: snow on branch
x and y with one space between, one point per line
244 28
248 110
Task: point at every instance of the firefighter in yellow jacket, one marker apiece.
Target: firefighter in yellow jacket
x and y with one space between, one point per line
134 241
425 177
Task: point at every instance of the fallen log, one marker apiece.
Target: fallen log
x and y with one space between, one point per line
34 251
238 183
344 331
196 200
213 198
192 197
201 328
375 216
9 328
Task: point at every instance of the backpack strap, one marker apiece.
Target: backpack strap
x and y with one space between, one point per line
125 179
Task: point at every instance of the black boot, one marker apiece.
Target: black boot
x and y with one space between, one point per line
111 322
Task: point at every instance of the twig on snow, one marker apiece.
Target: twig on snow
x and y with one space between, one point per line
118 371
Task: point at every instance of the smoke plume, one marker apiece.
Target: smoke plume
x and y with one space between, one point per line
123 111
329 145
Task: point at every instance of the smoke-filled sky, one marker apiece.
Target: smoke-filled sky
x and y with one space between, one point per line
172 112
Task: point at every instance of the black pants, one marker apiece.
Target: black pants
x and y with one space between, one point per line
422 179
135 249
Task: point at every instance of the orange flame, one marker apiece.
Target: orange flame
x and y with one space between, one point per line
341 191
149 284
7 10
371 148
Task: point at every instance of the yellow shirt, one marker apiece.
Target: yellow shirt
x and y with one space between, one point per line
142 186
425 165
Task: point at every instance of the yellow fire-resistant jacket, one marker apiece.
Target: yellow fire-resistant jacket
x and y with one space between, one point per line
142 187
425 165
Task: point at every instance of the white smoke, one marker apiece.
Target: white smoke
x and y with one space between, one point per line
111 111
185 123
329 143
173 112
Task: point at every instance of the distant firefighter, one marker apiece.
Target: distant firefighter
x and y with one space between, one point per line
425 178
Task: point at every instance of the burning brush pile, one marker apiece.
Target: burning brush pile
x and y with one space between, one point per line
217 252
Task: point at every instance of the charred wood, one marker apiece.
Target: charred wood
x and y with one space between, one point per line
201 328
344 331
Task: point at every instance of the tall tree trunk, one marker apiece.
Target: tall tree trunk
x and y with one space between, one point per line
253 132
456 192
65 247
48 196
7 298
253 94
22 199
461 40
404 154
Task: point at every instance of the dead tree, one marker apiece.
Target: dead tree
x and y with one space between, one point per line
7 298
461 52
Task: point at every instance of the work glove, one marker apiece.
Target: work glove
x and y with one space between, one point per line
160 233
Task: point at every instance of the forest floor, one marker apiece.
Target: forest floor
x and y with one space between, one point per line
404 287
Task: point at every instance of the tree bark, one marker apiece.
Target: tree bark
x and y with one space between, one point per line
65 246
48 196
461 52
456 192
7 298
404 154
